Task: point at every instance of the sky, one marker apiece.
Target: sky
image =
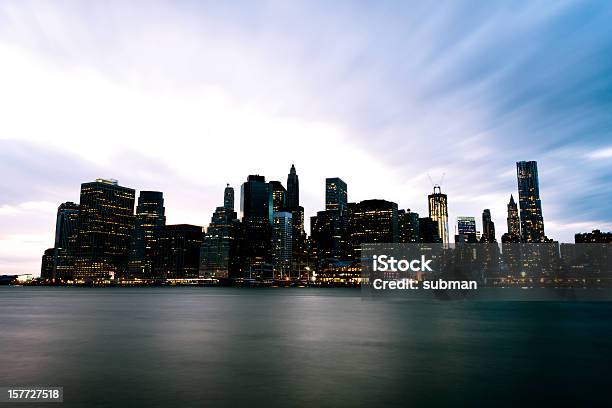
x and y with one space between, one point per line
186 96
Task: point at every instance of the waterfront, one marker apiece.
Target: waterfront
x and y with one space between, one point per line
183 346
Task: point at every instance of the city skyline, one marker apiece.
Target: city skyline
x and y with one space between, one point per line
184 98
107 236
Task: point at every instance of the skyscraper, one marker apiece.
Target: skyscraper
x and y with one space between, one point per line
293 190
150 214
335 194
532 222
219 241
66 233
256 228
372 221
278 196
428 231
282 245
177 251
514 222
438 212
106 220
228 198
488 227
408 225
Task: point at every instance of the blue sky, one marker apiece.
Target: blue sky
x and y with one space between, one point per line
186 96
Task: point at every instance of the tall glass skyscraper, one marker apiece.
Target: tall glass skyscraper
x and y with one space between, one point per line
150 214
282 245
335 194
532 222
106 220
279 195
228 198
66 233
438 212
256 228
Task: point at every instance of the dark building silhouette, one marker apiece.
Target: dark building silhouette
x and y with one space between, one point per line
532 222
228 198
329 234
219 243
293 190
255 238
335 194
408 226
46 264
150 214
279 195
106 220
428 231
438 212
177 251
488 227
595 237
66 233
372 221
513 220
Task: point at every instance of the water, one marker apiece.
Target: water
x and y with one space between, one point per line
171 347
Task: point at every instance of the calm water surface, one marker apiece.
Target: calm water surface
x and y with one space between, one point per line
171 347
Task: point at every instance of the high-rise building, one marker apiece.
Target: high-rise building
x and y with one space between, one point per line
372 221
255 256
46 264
228 198
428 231
335 194
150 214
532 222
219 243
408 225
466 230
488 227
278 196
106 220
438 212
177 251
293 189
282 245
66 233
514 222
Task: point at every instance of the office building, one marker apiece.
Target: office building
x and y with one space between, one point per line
282 243
66 233
150 214
177 251
488 227
106 220
532 222
438 212
408 226
335 194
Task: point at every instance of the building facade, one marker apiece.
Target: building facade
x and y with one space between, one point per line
438 212
532 221
106 221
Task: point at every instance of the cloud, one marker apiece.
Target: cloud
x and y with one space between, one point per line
183 97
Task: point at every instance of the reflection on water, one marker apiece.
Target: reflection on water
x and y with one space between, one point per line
160 347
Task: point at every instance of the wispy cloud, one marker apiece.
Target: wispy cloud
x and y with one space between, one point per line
186 96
